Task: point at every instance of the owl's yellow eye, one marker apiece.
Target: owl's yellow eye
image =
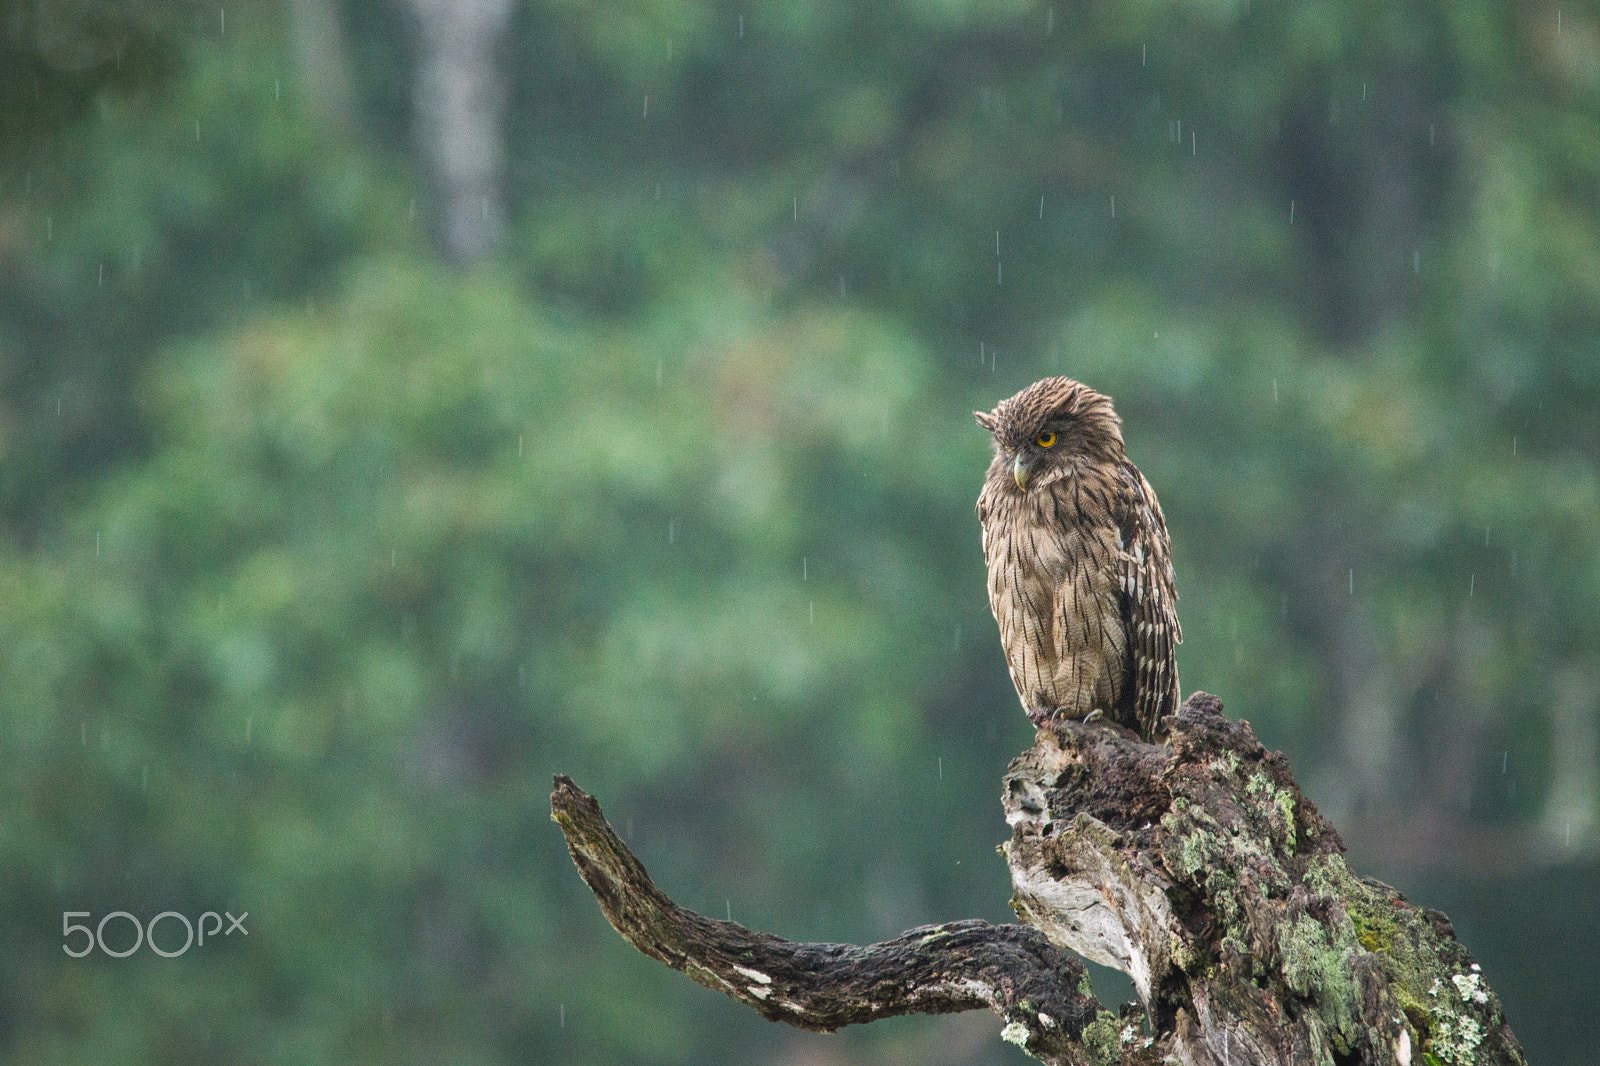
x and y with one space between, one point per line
1046 439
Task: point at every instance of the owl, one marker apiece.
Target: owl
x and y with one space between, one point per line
1080 568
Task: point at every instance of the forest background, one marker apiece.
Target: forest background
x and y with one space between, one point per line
402 401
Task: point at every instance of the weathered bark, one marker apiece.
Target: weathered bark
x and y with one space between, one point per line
1039 989
1196 867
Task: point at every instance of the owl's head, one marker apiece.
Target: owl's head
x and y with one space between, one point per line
1047 430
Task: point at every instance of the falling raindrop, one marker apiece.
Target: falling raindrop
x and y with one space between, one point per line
941 768
1431 129
1485 536
1192 149
646 105
49 228
222 15
996 242
1513 447
277 88
1352 581
805 568
1363 91
729 902
97 544
1416 262
741 27
999 273
1144 54
197 130
1274 390
1505 757
1049 22
1113 206
1291 212
669 49
1041 207
1472 586
563 1015
102 275
841 286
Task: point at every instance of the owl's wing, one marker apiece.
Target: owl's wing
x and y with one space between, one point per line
1149 603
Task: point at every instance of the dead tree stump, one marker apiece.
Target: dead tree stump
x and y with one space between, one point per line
1196 867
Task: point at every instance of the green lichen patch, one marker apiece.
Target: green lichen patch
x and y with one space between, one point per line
1457 1032
1085 988
1374 922
1280 802
1102 1039
1316 966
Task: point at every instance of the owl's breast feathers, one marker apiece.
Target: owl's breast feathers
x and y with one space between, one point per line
1081 585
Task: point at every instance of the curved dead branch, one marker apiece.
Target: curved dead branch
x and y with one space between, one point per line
1012 970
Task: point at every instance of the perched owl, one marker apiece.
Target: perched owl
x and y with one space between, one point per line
1080 568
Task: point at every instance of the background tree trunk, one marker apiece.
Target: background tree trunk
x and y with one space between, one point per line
460 97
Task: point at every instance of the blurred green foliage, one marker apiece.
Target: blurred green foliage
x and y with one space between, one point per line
318 557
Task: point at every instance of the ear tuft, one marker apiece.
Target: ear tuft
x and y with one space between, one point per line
986 420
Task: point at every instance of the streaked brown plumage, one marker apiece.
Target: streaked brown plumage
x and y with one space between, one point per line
1080 568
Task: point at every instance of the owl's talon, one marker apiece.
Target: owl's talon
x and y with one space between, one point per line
1092 715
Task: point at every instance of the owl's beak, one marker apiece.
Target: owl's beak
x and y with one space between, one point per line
1022 471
